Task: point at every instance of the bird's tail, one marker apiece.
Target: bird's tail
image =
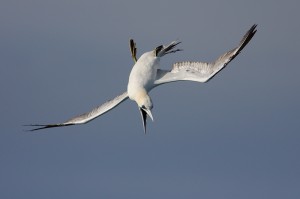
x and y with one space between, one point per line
163 50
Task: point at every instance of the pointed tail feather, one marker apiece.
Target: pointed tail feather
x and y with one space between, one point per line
163 50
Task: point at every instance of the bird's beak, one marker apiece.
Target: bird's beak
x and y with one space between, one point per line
149 113
144 113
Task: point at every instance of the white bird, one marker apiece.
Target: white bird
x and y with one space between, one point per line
146 75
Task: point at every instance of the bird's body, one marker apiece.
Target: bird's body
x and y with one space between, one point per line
141 81
143 74
146 75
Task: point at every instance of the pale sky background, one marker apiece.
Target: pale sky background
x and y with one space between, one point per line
235 137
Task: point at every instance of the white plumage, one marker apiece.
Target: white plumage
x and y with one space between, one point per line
146 75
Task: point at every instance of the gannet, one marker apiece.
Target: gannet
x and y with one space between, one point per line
146 75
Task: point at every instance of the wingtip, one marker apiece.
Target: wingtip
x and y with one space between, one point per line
253 28
43 126
247 37
176 42
36 127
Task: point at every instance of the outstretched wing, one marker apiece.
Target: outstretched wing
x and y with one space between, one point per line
200 71
86 117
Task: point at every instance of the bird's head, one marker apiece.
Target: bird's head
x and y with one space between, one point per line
145 105
144 102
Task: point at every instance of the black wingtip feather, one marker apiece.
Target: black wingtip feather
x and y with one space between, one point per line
248 36
46 126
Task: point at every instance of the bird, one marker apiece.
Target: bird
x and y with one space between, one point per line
147 75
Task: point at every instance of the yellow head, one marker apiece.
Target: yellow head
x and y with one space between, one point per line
143 100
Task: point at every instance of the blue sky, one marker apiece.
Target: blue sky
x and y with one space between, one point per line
234 137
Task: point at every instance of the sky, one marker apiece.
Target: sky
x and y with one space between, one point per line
236 136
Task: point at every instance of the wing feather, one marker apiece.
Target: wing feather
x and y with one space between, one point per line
201 71
86 117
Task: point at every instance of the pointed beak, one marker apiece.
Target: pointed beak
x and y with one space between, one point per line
144 113
149 113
